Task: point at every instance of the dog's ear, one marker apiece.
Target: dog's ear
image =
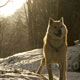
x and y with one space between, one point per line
62 20
51 20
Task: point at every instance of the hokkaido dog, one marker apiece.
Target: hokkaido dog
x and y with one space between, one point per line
55 48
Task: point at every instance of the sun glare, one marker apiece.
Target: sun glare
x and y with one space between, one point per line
10 7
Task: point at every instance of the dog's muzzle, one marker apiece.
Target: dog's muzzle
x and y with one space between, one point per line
59 33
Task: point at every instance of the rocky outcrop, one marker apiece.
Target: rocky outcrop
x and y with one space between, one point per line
74 58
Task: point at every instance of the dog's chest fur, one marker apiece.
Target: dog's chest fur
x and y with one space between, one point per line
54 49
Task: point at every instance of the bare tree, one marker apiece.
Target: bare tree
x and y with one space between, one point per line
39 12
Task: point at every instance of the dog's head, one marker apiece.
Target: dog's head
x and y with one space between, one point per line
57 28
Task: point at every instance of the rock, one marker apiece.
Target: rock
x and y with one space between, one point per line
74 58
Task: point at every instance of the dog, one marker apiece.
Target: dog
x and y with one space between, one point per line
55 48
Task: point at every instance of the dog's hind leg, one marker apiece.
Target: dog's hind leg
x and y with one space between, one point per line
41 65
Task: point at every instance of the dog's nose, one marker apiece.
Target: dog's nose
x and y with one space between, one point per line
59 31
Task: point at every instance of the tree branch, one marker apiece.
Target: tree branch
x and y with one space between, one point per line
5 4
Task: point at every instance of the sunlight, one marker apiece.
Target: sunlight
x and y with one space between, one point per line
11 7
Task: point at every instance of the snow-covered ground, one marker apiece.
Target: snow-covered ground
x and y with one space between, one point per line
22 66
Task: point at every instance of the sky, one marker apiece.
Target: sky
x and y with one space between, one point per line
11 6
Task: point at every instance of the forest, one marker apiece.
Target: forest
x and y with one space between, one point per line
24 29
23 25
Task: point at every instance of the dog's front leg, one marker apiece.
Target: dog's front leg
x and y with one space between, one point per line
49 69
62 67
